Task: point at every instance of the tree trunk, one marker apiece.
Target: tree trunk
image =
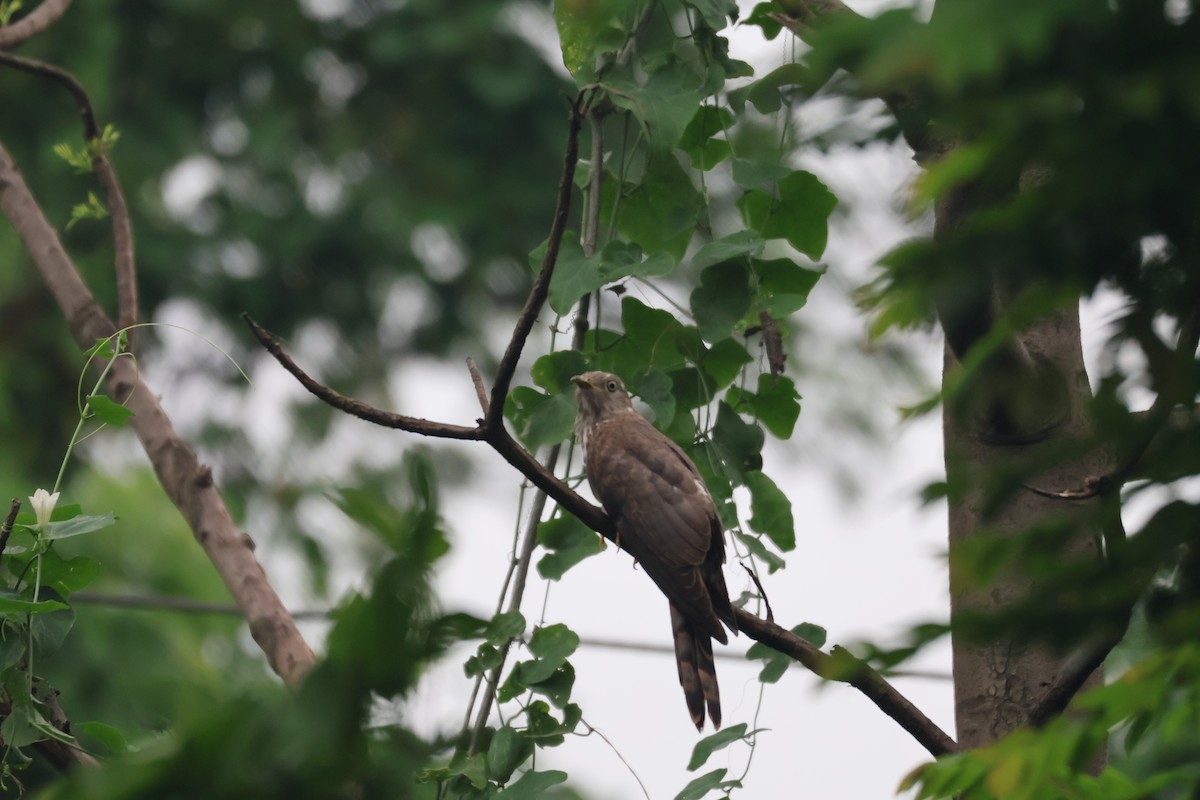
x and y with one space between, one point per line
998 682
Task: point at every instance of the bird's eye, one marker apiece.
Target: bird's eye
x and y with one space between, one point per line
612 386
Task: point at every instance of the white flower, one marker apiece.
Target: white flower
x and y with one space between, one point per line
43 506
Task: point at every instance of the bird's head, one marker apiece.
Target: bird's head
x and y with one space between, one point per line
600 394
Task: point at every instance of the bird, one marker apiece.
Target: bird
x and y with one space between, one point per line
666 519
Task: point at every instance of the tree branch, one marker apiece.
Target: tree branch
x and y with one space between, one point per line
186 481
14 35
6 528
357 408
843 667
118 209
541 285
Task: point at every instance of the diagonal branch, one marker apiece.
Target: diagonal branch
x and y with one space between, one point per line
541 285
843 667
357 408
14 35
118 209
186 481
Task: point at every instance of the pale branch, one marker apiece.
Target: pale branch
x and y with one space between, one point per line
541 285
1072 677
357 408
118 209
846 668
14 35
477 381
186 481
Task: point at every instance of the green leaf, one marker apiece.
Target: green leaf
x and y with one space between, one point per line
751 172
552 644
586 30
717 741
654 333
724 361
776 404
540 419
721 299
742 243
546 731
507 751
107 411
738 442
701 786
664 103
67 575
716 13
760 15
505 626
13 603
705 151
51 629
557 687
109 737
800 214
574 275
759 550
771 511
77 526
553 371
783 285
531 785
569 542
814 634
660 213
768 92
654 388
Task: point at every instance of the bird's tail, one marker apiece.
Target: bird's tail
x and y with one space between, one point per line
697 670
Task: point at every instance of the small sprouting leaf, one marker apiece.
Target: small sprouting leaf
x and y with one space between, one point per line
553 371
771 511
108 411
92 209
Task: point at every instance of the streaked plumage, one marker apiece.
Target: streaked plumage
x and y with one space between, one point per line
667 521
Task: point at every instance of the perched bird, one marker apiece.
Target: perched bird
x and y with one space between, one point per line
667 521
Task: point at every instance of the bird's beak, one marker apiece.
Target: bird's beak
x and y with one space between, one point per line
581 382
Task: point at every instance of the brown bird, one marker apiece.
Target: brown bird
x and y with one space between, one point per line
667 521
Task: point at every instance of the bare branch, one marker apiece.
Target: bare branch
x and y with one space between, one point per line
357 408
33 23
845 668
187 482
6 528
541 285
480 389
118 209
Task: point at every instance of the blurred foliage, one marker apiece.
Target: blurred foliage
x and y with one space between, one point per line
380 170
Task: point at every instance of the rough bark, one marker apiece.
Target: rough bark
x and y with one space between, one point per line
998 682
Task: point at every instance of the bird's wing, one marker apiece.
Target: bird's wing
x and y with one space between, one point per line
665 516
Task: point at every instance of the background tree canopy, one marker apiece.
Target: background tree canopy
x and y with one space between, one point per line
370 181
